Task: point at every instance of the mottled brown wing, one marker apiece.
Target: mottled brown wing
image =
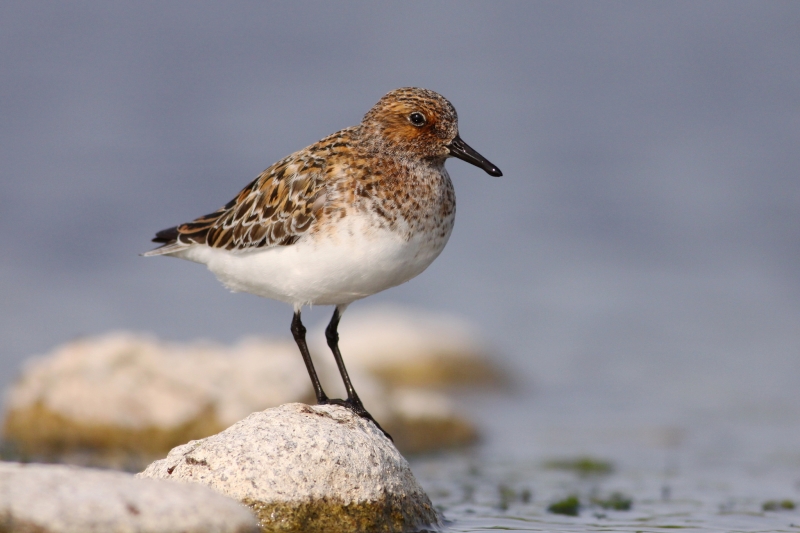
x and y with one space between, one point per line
277 208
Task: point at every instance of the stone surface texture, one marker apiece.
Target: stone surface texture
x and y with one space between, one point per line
304 469
37 498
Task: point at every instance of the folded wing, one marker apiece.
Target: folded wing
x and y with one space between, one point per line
275 209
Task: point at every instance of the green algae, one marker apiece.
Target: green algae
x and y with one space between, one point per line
583 466
569 506
778 505
507 495
616 502
391 515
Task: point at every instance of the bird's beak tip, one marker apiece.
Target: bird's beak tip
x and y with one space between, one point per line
460 149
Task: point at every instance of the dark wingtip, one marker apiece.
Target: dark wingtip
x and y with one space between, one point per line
166 235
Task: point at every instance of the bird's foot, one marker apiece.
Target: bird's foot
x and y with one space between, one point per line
358 408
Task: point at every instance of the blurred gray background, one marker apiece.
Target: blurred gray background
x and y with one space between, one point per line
642 247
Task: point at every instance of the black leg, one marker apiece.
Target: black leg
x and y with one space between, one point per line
299 333
353 402
332 336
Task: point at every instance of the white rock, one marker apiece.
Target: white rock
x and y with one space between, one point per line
412 347
425 420
126 391
66 499
422 404
303 468
89 379
120 400
420 420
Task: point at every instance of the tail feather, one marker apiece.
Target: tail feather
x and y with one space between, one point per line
169 237
167 249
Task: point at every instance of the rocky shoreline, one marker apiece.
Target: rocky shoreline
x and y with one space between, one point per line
294 468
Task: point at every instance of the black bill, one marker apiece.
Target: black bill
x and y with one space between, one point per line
461 150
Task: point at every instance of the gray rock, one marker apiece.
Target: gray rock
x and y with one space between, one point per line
37 498
303 468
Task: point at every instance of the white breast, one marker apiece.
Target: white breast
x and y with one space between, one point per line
339 265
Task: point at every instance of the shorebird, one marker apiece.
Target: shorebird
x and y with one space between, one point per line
360 211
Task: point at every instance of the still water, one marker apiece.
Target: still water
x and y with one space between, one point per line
702 471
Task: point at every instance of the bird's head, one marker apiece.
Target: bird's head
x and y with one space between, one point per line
416 123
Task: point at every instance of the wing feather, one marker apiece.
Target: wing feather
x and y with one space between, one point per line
277 208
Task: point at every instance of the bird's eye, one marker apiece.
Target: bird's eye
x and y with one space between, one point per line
417 119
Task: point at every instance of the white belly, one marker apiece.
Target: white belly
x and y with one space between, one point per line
334 268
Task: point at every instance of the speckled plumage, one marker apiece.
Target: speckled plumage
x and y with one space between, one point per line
360 211
384 178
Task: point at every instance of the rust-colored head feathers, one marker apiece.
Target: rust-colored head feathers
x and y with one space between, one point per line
412 122
416 124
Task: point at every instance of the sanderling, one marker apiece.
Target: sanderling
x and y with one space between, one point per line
362 210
